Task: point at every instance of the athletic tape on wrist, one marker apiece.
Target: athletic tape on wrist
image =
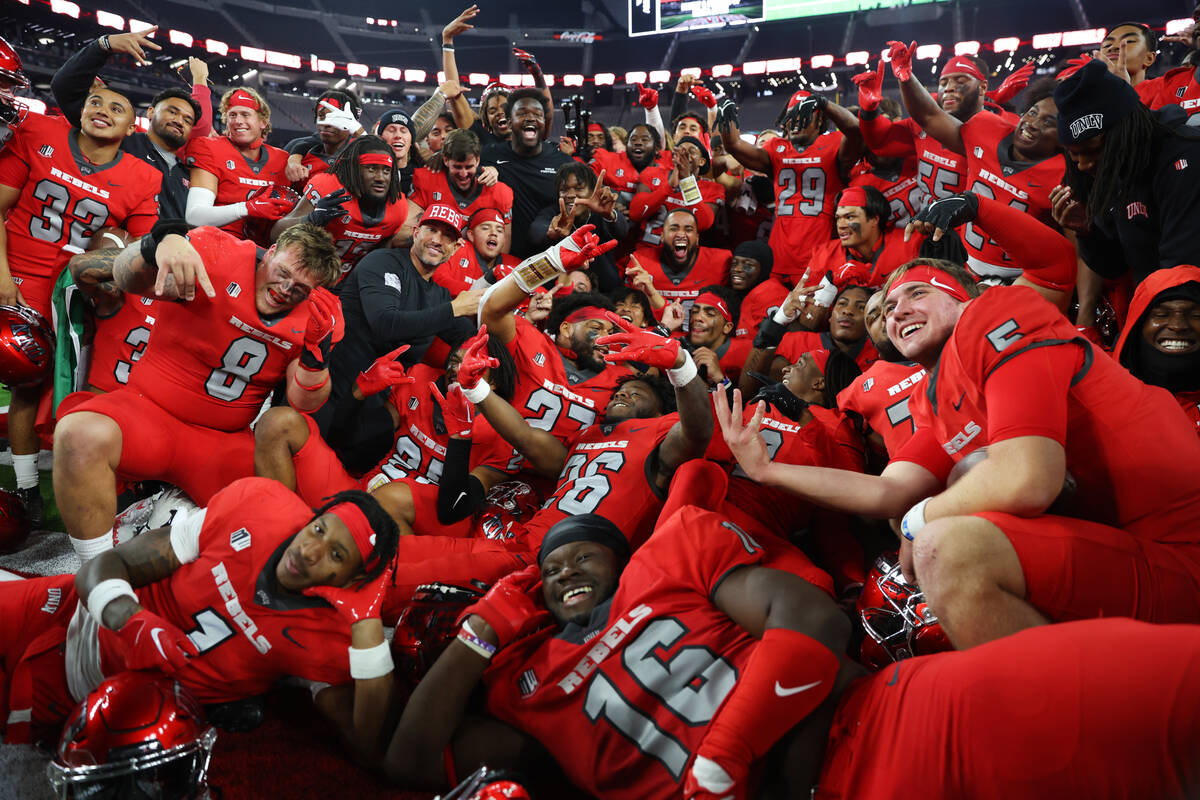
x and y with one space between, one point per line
477 393
782 317
682 376
370 662
538 270
914 520
104 593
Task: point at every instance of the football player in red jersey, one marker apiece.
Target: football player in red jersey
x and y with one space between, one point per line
457 182
680 267
58 185
760 292
229 599
480 257
336 113
719 356
233 175
1013 374
895 176
622 171
866 239
12 76
1179 86
663 188
1161 338
217 356
358 201
808 169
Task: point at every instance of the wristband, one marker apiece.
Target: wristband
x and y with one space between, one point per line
477 393
313 387
449 47
914 520
370 662
537 270
104 593
162 229
682 376
782 317
481 647
104 44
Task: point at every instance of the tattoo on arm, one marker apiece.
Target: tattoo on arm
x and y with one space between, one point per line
131 273
93 274
427 115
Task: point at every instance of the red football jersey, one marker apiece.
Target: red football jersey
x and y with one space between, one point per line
623 705
880 396
992 173
249 633
239 178
619 173
1111 416
120 341
65 198
652 226
606 473
892 252
460 272
419 451
1178 87
544 394
797 343
352 234
805 187
1190 403
434 187
711 267
214 361
761 300
904 192
942 172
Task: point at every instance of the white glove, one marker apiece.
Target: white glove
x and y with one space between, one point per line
339 118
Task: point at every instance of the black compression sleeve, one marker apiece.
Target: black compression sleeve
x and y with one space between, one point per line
459 492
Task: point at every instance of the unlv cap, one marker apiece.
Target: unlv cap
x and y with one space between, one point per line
444 214
1090 101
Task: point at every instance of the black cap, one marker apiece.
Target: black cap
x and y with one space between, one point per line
700 145
584 528
396 115
1091 102
760 252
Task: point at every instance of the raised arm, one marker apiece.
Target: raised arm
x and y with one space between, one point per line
920 106
748 155
464 115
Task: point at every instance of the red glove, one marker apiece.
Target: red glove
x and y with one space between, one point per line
385 373
1012 85
475 360
647 97
358 603
271 208
456 410
870 88
639 345
706 97
155 643
526 58
902 59
852 274
1073 65
513 606
581 247
326 327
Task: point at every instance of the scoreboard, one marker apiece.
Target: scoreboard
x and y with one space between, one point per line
648 17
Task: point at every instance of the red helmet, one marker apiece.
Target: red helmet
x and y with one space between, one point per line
427 625
26 346
12 76
487 784
898 622
14 522
138 735
506 506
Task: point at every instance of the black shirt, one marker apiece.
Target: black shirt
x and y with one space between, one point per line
532 182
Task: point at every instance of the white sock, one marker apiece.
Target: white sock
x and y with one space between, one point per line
26 468
87 549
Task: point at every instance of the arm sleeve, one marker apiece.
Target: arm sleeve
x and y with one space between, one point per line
203 96
201 209
540 227
654 120
886 138
459 492
1027 395
385 296
1046 256
678 104
185 534
71 84
644 204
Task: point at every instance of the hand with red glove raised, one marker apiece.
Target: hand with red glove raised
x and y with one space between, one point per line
384 374
155 643
263 206
902 59
706 97
647 97
1012 85
476 361
457 411
1073 65
527 60
637 344
851 273
356 603
325 328
870 88
513 607
590 247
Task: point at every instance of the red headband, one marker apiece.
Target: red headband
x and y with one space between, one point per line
485 215
820 358
710 299
241 97
377 159
854 196
595 127
937 278
964 65
587 312
360 530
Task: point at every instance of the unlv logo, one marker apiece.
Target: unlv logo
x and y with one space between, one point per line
45 151
229 164
28 343
437 196
233 289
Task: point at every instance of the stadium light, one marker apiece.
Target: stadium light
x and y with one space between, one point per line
65 7
637 76
966 49
821 62
1047 41
510 78
358 70
549 79
783 65
214 46
929 51
527 79
605 79
136 26
754 67
1006 44
1079 38
110 20
277 59
414 75
181 38
695 72
572 80
660 75
390 73
1175 26
441 77
857 57
722 70
253 53
478 79
320 64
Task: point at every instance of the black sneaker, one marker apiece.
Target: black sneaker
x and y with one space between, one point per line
32 498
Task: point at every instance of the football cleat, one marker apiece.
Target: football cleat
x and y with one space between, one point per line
31 501
136 736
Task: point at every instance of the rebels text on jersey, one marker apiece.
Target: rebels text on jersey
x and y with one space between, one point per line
213 361
904 192
354 234
238 178
433 187
805 185
65 198
120 341
881 396
710 268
